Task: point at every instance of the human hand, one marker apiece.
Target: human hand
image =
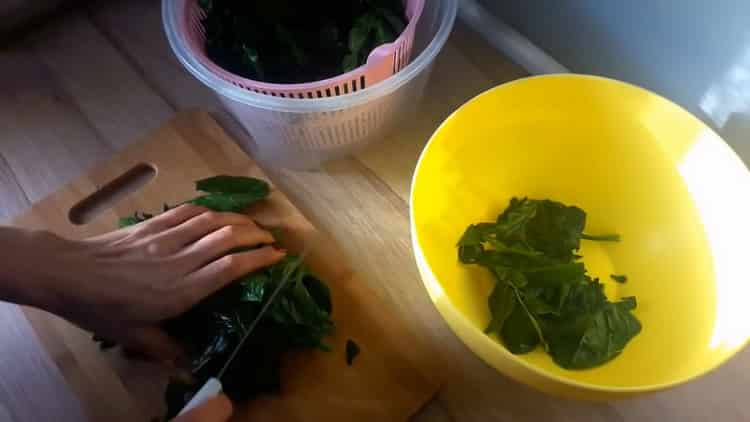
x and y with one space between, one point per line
121 285
216 409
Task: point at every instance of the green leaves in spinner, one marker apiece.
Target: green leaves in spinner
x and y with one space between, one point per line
292 41
370 30
542 294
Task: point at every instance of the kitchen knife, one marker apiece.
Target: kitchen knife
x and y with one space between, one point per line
213 386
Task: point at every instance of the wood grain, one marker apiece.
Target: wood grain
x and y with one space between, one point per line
42 152
361 201
146 47
31 386
392 378
105 88
12 198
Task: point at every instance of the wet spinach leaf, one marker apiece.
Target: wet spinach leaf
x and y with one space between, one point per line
234 184
299 318
542 293
619 278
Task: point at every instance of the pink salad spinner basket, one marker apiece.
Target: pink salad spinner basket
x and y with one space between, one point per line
383 61
302 126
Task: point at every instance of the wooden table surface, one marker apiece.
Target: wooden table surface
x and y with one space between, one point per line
87 85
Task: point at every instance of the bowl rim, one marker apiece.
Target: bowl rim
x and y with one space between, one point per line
423 60
422 262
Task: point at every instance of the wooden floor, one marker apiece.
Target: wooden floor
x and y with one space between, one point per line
85 86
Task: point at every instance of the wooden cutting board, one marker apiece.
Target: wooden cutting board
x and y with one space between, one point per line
390 380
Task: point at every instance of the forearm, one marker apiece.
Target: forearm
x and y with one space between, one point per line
24 267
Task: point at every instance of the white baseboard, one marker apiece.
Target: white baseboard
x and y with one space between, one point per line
507 40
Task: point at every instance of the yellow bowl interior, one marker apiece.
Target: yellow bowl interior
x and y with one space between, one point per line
639 166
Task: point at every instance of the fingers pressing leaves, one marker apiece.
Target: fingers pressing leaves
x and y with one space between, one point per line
223 271
228 272
225 240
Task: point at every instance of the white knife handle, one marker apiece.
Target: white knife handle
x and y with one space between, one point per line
210 389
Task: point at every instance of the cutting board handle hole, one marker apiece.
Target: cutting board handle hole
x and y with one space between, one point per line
110 194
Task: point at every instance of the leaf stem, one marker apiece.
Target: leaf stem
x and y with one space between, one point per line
601 238
531 317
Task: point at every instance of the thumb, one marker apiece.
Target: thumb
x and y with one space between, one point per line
154 343
216 409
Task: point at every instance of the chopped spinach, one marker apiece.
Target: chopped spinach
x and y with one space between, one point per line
542 293
352 351
299 318
289 41
136 218
619 278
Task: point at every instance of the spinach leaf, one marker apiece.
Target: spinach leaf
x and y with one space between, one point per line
136 218
470 247
556 229
226 202
518 332
300 317
251 59
128 221
254 287
511 224
555 275
596 338
396 23
230 193
502 302
517 249
542 293
602 238
352 351
619 278
234 184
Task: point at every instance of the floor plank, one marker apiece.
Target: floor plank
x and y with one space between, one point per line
31 387
46 141
105 87
12 198
146 46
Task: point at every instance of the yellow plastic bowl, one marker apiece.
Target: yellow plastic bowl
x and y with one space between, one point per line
640 166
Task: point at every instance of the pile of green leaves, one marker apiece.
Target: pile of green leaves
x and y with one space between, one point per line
292 41
543 294
299 317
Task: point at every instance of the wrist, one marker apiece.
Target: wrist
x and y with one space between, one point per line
26 270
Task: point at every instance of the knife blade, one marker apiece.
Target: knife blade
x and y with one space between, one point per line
213 386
